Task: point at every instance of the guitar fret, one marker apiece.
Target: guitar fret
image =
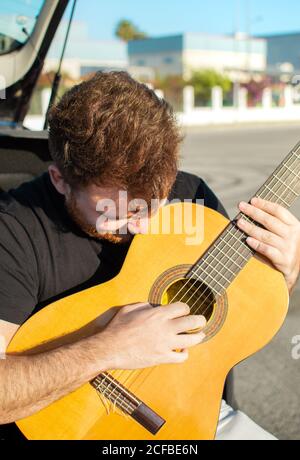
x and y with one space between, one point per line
230 258
213 279
247 218
277 196
286 185
296 154
291 171
222 265
229 254
236 240
214 269
210 255
216 247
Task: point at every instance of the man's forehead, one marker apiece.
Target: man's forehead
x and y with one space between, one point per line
98 193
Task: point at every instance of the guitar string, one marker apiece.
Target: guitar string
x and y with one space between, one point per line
264 191
273 192
127 406
277 197
120 372
140 372
126 391
100 383
294 160
123 404
237 232
280 198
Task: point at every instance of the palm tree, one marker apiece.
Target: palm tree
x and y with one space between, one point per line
127 31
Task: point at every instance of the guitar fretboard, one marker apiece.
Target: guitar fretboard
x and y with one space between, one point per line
229 254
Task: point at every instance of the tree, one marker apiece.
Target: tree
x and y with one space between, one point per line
127 31
204 80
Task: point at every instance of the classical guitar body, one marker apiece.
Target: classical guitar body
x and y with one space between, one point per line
168 402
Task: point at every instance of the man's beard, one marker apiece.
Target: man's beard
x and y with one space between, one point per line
91 230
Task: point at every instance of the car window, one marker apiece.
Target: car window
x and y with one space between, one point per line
17 21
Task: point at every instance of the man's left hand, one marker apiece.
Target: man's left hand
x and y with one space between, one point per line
279 240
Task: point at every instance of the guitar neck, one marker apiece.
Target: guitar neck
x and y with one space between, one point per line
229 254
283 186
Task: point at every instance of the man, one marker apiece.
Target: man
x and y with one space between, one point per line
108 134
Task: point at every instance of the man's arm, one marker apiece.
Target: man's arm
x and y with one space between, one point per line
29 383
138 336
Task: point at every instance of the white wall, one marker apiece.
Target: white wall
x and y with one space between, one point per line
222 60
203 116
206 117
240 113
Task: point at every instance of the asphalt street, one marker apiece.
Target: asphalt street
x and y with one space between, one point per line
235 162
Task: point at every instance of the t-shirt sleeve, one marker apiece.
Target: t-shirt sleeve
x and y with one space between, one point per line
18 271
210 199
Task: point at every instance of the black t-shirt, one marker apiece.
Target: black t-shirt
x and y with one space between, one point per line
44 256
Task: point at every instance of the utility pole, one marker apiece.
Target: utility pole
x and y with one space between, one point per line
237 17
237 25
249 36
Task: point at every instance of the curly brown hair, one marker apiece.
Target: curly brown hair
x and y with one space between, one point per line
114 131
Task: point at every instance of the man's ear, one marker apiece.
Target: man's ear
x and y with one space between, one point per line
58 181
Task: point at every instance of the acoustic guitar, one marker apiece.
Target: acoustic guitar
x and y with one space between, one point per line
244 299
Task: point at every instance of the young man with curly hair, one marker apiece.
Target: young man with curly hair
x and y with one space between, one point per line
108 134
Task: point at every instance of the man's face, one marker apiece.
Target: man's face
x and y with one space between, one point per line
108 213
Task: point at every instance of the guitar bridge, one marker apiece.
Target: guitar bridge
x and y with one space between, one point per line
122 398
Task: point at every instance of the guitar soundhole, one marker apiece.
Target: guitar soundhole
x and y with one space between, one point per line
197 295
173 285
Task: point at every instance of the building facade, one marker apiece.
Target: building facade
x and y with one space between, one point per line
283 51
84 55
184 53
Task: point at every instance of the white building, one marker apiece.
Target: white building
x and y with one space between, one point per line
181 54
84 55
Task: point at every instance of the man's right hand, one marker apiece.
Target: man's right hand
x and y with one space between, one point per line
138 336
141 335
